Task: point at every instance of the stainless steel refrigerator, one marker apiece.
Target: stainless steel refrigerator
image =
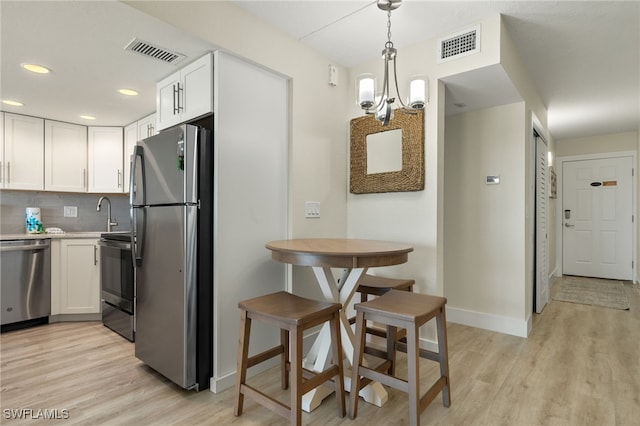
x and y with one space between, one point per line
171 200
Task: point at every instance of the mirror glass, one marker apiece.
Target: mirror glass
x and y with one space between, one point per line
384 151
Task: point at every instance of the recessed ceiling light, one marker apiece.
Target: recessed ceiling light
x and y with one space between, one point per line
38 69
88 117
128 92
12 103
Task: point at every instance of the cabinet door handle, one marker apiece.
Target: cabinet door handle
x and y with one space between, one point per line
119 184
180 90
85 183
8 172
175 96
95 255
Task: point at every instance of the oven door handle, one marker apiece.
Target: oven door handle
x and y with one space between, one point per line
115 244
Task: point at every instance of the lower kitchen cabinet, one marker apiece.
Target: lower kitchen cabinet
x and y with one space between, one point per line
75 276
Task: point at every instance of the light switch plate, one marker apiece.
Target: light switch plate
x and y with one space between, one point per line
70 211
312 209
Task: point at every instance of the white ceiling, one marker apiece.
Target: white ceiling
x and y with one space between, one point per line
584 57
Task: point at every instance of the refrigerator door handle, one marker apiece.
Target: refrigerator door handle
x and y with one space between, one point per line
138 152
137 238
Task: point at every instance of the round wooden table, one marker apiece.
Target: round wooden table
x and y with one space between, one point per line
354 257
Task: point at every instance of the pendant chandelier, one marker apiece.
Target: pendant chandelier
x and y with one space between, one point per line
382 105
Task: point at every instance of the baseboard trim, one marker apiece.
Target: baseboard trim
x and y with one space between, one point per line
501 324
75 317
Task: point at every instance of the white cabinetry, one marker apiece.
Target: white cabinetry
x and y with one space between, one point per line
22 153
130 139
105 159
65 153
133 133
147 127
185 94
75 276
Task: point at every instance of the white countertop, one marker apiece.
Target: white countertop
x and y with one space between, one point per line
84 234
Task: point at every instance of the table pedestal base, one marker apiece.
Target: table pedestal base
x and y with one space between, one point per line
374 393
312 399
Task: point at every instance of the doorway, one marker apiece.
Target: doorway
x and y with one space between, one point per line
597 218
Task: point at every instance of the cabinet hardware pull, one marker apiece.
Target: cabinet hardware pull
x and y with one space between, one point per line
119 184
180 89
8 172
95 255
84 179
176 106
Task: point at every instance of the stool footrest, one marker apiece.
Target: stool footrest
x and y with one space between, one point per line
319 378
433 391
424 353
266 401
385 379
263 356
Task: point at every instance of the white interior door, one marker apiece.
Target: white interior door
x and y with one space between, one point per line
597 218
542 242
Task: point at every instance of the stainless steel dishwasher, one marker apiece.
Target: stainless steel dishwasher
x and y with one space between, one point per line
25 283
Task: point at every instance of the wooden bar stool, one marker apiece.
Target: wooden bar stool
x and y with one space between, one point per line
409 311
292 314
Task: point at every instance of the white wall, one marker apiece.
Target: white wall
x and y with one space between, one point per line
417 217
484 252
597 144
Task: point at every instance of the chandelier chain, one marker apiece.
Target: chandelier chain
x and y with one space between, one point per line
389 26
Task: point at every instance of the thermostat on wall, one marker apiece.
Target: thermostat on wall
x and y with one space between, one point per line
493 180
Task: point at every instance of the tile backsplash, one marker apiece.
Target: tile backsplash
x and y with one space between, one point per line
14 203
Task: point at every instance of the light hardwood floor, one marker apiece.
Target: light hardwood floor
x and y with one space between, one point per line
579 366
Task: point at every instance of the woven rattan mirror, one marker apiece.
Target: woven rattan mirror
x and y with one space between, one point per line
411 176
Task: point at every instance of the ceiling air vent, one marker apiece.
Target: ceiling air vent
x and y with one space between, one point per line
462 43
147 49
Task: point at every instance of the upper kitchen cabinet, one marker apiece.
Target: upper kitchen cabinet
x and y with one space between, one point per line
22 152
185 94
65 153
130 139
147 127
105 159
133 133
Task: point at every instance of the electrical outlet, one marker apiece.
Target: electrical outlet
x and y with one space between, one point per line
70 211
312 209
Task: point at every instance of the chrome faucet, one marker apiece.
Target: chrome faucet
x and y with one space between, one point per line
110 221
